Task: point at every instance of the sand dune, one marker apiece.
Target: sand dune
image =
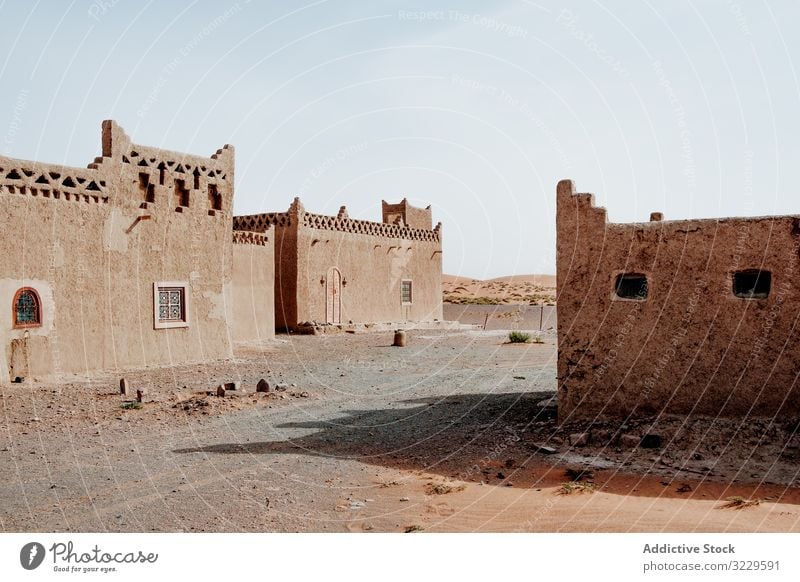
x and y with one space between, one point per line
512 289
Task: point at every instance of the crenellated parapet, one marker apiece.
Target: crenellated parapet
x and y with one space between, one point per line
341 223
128 174
261 222
179 181
245 237
54 182
354 226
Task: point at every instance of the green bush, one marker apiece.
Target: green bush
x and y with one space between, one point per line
133 405
519 337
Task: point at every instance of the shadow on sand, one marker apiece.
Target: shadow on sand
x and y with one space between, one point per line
491 438
459 435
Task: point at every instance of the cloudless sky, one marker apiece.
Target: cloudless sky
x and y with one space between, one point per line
477 108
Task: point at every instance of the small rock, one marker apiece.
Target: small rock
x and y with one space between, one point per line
404 499
123 386
579 439
629 441
602 436
685 488
281 388
304 395
231 385
262 386
140 395
221 391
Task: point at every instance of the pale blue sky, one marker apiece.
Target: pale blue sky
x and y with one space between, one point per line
477 108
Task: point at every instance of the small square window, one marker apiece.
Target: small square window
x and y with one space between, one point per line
406 292
631 286
170 305
752 284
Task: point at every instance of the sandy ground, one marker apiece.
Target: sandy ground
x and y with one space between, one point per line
446 434
533 318
516 289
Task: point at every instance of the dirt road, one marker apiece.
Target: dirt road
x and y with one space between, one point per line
439 436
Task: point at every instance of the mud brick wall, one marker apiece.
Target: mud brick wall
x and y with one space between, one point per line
93 241
691 346
372 260
253 304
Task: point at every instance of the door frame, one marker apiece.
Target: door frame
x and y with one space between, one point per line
333 284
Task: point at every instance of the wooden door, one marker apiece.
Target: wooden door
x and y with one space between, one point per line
333 296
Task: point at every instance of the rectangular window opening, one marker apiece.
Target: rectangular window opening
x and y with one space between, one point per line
214 197
170 305
181 194
147 189
752 284
406 292
631 286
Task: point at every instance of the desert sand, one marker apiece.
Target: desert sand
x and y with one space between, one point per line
452 433
516 289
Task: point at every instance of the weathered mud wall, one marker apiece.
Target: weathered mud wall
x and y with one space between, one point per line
93 242
368 260
691 345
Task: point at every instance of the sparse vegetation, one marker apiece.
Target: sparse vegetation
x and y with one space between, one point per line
575 487
537 339
519 337
511 299
132 405
457 300
739 502
442 489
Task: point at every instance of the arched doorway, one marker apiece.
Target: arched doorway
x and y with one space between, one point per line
333 296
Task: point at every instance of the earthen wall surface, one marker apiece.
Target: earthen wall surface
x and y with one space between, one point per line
372 258
691 346
253 317
93 242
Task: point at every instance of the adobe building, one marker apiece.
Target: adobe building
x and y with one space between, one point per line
131 262
338 271
683 316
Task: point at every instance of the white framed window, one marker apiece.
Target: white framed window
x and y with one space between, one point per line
406 291
170 304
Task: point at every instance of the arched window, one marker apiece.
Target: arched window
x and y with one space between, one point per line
27 308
